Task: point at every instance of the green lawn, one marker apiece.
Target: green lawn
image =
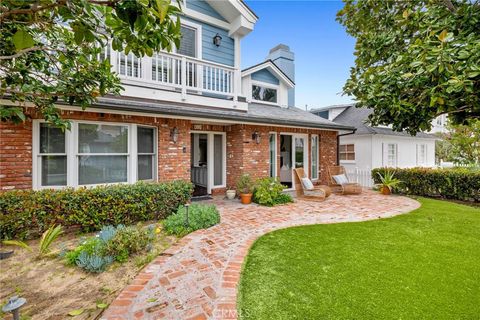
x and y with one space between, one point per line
421 265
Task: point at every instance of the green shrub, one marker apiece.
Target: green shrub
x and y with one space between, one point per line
269 192
199 217
128 241
27 214
96 253
453 183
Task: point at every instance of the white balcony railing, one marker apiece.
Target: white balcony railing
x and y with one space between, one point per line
181 73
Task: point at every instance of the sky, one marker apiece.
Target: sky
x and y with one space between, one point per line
323 50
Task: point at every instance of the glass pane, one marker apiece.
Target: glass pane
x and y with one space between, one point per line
273 161
188 42
94 138
350 156
264 94
299 161
145 140
343 156
342 148
54 170
145 167
314 157
102 169
217 159
350 147
52 140
202 149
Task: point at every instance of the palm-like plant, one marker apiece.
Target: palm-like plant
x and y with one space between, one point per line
48 237
388 180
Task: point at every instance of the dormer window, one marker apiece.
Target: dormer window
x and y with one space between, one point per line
264 94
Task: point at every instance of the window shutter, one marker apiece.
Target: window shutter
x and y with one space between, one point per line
188 43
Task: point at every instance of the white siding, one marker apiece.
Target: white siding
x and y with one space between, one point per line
370 151
363 151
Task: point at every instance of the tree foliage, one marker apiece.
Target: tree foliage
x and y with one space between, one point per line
461 144
415 60
50 49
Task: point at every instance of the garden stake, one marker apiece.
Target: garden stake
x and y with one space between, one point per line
186 218
13 305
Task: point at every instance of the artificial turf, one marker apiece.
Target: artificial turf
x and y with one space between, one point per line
420 265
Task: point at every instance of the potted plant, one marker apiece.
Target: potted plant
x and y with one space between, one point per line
388 182
231 193
244 187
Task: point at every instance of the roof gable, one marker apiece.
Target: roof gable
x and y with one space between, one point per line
264 75
272 68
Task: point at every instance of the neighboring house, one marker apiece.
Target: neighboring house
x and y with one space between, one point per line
372 147
192 114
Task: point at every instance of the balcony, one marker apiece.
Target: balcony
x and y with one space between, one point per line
177 78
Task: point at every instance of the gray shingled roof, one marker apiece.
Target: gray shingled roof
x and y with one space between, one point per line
257 113
358 117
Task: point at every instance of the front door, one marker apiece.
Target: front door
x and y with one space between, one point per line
208 158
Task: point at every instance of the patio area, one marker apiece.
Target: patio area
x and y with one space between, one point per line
197 277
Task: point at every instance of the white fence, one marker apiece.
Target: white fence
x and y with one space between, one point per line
364 177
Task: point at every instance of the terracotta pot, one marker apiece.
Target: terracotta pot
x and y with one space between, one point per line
385 191
246 198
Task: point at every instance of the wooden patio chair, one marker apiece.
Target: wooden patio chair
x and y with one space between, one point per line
346 188
314 194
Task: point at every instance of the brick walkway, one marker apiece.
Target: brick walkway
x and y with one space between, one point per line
197 277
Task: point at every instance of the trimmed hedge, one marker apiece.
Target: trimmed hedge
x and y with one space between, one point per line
453 183
27 214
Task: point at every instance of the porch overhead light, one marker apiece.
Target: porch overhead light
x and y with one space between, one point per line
217 40
174 135
256 137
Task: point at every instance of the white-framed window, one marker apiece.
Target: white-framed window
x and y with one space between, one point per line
392 154
347 152
93 153
102 154
264 93
52 156
421 154
272 140
314 161
191 40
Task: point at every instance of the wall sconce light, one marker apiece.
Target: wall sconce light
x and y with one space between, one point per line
217 40
256 137
174 135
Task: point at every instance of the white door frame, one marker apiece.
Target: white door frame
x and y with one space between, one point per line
306 145
210 158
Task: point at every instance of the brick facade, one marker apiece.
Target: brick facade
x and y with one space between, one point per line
243 154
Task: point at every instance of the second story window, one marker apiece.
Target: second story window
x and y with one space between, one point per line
261 93
188 43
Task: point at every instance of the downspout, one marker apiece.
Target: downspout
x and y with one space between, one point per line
338 143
